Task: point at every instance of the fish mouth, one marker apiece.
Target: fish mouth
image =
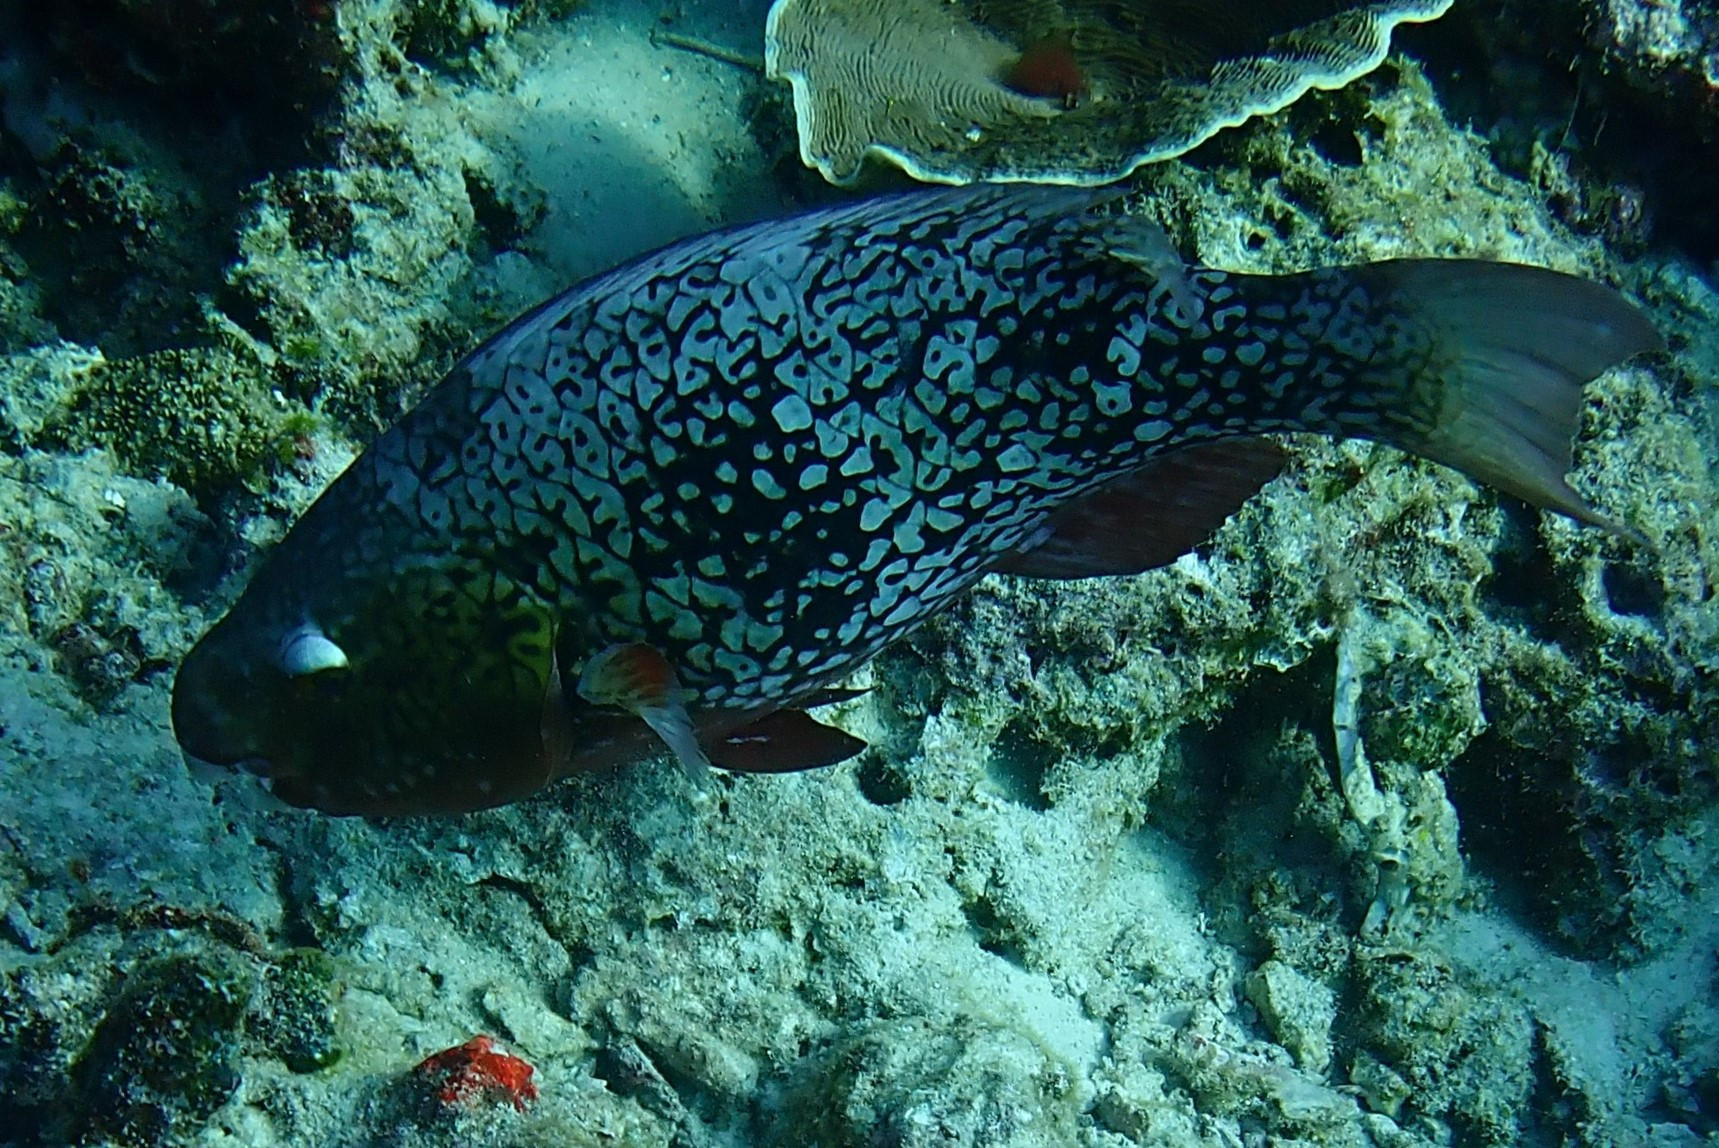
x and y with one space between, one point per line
217 712
257 795
209 772
204 770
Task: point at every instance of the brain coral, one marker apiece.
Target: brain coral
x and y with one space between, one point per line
1055 91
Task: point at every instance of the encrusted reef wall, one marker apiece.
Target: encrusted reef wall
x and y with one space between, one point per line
1387 818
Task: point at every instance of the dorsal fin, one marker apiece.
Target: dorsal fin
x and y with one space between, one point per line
1151 516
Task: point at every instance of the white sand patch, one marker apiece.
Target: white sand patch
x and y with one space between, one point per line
634 145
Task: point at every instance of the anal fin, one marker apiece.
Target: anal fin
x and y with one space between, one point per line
786 741
638 678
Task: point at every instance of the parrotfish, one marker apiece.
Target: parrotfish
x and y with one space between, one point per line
676 506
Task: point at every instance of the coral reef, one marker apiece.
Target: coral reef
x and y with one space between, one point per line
1072 91
1387 817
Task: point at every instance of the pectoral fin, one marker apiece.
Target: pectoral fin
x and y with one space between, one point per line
638 679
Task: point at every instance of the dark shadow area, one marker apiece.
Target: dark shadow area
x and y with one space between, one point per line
1523 828
131 132
1016 768
1233 769
1518 74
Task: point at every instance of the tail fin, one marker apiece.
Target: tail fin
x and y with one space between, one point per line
1511 347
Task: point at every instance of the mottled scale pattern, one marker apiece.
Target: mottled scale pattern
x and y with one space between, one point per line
770 452
755 458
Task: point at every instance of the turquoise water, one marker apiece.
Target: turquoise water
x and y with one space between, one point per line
1383 817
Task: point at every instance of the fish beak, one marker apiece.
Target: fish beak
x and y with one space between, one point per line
204 771
307 650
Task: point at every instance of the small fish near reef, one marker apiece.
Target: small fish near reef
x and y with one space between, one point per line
1048 68
674 506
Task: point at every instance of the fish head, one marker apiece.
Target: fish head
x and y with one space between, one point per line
407 695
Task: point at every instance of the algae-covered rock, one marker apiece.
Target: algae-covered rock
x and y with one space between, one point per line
136 1040
35 387
454 33
353 271
121 237
48 1012
207 419
1673 44
917 1083
92 552
293 1017
1465 1053
1056 91
1299 1011
349 272
165 1055
1589 791
130 127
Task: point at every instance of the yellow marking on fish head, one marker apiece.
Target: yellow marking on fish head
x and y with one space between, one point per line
418 694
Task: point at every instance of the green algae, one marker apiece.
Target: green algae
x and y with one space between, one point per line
294 1015
165 1055
204 419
